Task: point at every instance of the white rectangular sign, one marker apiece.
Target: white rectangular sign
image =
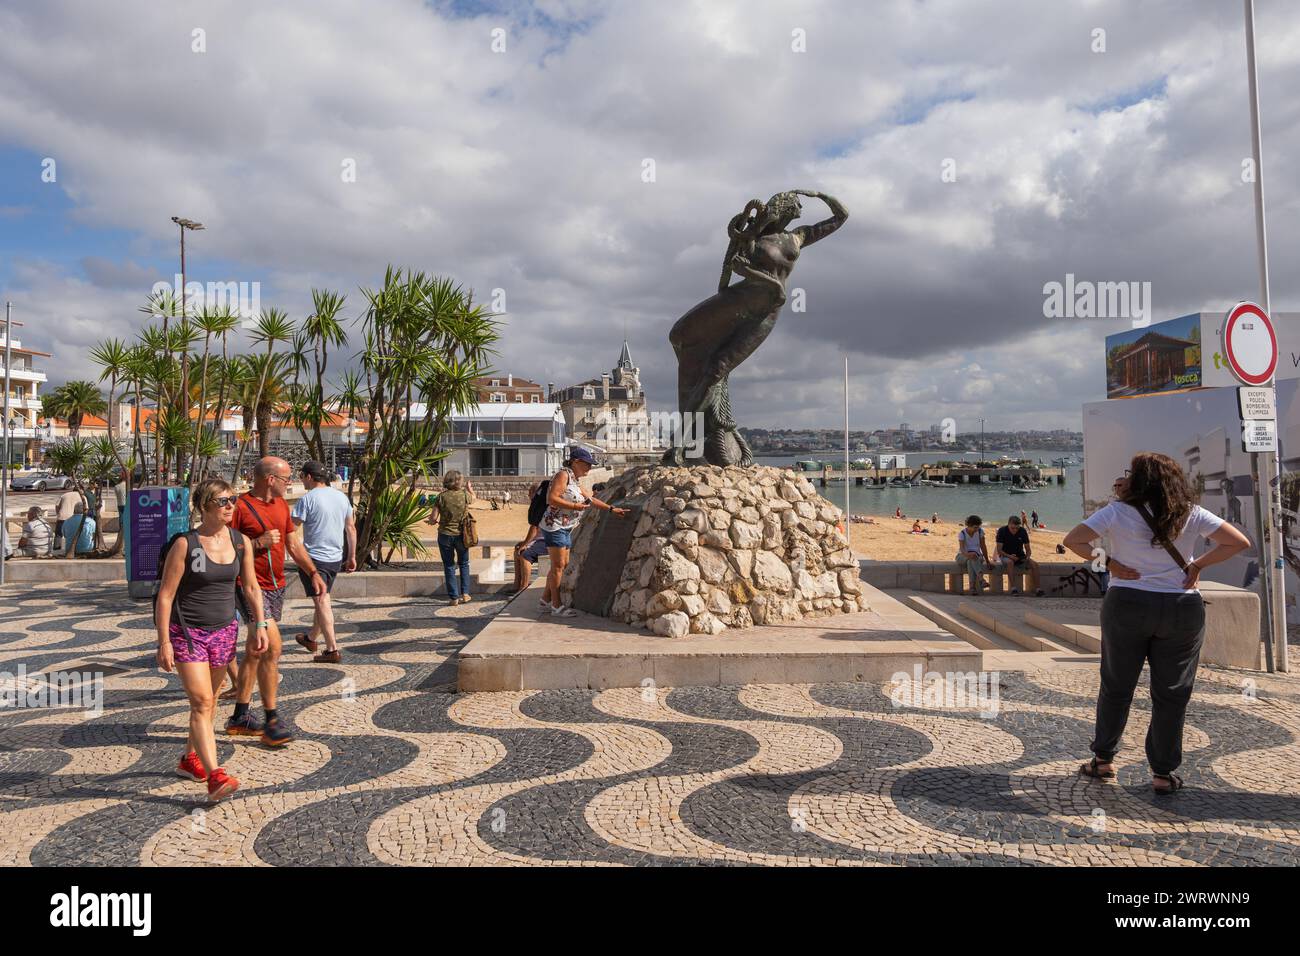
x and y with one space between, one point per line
1259 435
1257 403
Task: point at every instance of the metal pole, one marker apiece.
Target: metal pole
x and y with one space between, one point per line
848 515
1267 478
4 473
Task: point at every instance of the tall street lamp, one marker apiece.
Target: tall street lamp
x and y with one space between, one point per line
183 402
193 226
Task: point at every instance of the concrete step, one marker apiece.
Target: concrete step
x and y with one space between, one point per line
1027 636
1084 635
969 631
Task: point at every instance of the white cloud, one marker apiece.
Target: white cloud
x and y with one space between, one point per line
522 170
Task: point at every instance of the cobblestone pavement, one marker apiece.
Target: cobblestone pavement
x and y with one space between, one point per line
393 767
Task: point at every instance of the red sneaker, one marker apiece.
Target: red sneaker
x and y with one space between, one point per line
221 784
191 767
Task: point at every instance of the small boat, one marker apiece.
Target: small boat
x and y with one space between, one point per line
1024 489
938 484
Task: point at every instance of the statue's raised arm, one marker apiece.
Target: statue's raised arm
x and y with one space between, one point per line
807 235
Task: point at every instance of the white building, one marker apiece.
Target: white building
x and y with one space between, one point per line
500 439
609 414
24 401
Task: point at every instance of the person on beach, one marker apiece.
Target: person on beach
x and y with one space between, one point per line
973 553
197 628
934 518
329 532
450 508
566 501
916 527
262 516
1012 550
1153 611
1033 520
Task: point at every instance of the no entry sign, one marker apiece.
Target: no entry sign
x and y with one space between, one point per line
1250 344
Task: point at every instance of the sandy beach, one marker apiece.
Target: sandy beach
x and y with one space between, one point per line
888 539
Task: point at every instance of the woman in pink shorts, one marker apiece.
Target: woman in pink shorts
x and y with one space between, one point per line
197 628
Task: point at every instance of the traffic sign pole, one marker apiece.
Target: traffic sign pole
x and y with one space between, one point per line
1264 466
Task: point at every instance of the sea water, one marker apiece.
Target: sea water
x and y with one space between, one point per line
1060 507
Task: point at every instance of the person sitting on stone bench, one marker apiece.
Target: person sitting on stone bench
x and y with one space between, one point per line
973 553
1013 552
38 538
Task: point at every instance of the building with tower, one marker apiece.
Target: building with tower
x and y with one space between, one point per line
609 413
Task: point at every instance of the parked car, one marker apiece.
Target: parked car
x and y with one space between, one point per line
39 481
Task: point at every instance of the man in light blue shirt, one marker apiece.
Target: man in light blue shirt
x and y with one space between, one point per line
79 529
330 533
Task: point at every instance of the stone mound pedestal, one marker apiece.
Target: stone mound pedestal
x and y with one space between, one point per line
706 548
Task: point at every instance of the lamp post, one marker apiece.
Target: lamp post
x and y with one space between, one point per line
4 474
183 398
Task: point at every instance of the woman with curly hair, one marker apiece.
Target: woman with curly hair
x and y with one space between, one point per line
1152 612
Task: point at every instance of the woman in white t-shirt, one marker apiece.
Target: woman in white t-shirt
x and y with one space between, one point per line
1152 611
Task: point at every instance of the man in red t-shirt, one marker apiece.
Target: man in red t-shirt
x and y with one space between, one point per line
262 515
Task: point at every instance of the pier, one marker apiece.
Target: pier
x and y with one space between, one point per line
949 475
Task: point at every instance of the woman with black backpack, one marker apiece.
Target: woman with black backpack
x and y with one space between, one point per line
197 627
1152 611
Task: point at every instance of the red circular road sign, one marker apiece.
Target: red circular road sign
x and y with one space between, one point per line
1250 344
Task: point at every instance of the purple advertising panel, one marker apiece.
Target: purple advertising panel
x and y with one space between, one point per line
154 515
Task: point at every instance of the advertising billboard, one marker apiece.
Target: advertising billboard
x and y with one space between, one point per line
1186 353
153 516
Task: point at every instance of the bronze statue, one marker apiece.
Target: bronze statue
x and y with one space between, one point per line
722 331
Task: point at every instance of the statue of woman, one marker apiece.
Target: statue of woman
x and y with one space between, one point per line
722 331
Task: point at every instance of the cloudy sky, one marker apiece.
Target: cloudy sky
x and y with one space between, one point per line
983 149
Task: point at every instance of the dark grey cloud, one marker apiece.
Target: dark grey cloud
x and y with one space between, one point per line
522 171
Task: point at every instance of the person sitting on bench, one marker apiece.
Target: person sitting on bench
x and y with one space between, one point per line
37 540
1013 551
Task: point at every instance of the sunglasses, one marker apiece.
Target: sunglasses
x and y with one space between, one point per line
226 502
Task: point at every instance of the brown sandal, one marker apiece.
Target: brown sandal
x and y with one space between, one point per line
1175 784
305 640
328 657
1090 770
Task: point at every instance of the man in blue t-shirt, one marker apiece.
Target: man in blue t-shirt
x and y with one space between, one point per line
329 531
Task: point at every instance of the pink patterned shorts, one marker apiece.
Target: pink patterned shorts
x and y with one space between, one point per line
216 647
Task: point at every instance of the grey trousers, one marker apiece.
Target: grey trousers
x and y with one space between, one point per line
1167 631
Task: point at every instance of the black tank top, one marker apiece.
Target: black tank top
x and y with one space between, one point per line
205 597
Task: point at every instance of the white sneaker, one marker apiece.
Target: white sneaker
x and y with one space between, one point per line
544 607
564 612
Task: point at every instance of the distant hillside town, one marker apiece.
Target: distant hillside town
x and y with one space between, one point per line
793 441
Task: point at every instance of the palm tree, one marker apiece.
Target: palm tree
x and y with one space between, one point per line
73 401
272 371
218 322
273 326
70 457
311 346
113 355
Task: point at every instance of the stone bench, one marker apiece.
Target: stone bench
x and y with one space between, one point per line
55 570
1057 578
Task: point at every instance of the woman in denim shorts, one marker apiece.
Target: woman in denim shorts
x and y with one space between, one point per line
565 505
